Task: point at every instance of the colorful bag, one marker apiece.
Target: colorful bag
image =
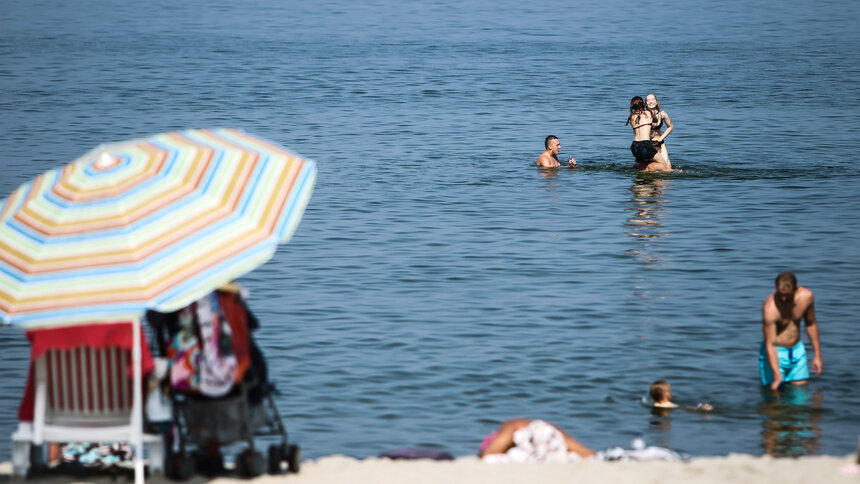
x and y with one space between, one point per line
184 353
204 363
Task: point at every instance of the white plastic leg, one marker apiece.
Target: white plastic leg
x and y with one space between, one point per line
20 458
156 457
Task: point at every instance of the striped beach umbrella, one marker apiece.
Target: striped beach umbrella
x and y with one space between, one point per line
152 223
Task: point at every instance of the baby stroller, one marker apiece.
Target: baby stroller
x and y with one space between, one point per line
218 389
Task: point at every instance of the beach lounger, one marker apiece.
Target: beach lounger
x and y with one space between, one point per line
81 390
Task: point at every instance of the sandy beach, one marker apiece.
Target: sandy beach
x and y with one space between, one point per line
735 468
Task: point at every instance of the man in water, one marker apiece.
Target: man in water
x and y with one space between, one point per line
783 356
549 158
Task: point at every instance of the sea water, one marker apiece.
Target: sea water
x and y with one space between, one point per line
439 283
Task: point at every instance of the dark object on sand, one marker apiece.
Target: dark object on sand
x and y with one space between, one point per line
412 454
857 461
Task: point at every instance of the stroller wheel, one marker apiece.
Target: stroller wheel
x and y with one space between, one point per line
294 457
276 456
209 464
179 466
249 463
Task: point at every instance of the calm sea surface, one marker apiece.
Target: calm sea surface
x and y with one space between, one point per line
439 283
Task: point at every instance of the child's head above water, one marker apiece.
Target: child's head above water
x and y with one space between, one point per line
661 392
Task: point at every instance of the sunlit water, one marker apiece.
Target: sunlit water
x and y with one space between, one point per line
439 283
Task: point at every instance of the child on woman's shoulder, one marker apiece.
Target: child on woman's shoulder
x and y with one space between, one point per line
661 392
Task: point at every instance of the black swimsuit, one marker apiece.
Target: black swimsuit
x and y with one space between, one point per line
643 151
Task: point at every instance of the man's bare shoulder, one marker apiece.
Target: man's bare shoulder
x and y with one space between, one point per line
544 160
769 310
804 295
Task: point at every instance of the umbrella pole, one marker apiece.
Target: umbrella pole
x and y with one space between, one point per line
137 405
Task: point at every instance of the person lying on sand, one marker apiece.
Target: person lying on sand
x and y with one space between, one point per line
527 440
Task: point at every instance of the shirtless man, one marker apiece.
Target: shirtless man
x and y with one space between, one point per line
783 356
549 158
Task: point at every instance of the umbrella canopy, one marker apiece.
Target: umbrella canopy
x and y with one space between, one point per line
152 223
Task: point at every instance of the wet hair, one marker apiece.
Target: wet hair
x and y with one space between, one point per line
659 390
637 106
786 280
548 139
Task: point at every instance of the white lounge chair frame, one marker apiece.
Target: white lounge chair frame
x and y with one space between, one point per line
84 395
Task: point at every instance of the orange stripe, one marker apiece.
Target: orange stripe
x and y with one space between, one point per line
226 250
35 189
59 301
221 140
178 274
253 140
36 221
236 245
134 294
7 207
28 264
65 187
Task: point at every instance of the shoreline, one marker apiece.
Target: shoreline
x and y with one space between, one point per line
734 468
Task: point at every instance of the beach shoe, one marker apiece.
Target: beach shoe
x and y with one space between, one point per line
92 458
72 452
110 460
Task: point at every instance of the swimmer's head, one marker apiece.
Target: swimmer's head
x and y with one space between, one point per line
661 391
652 102
786 284
549 139
637 104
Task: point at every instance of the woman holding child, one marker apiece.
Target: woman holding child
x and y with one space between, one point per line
647 156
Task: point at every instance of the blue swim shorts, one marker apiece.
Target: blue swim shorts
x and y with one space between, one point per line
792 363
